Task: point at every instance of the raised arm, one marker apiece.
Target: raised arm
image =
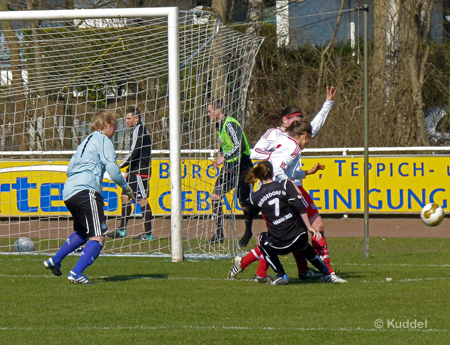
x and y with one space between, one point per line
321 116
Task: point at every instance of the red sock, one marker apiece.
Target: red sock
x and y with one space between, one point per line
321 249
263 266
254 255
251 257
300 260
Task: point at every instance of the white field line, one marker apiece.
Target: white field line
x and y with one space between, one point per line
290 263
126 278
301 329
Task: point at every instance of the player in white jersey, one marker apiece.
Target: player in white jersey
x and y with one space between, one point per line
275 137
286 162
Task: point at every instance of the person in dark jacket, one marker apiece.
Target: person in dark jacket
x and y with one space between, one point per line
138 163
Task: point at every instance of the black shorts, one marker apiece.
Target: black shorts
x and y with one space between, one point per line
86 208
139 185
300 242
228 180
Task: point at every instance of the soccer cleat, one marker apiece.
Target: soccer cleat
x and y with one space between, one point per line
310 274
333 278
119 233
236 268
244 241
266 279
54 268
284 280
216 239
144 237
78 278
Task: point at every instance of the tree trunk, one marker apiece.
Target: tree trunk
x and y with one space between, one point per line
220 8
416 44
327 49
254 19
17 118
218 68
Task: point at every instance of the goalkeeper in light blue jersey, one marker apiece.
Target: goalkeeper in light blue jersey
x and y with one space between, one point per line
82 195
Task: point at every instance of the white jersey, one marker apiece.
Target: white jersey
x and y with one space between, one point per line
287 162
274 137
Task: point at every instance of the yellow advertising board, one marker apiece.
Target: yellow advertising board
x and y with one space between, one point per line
396 185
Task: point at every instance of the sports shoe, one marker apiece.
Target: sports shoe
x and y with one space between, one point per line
244 240
236 268
144 237
54 268
266 279
216 239
119 233
78 278
310 274
284 280
333 278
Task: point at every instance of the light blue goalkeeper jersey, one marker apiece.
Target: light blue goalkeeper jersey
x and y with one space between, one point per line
86 169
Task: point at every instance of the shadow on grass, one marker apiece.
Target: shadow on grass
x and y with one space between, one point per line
343 275
131 277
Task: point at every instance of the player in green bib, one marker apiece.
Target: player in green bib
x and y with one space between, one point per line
234 156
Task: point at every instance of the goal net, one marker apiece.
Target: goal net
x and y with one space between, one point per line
55 74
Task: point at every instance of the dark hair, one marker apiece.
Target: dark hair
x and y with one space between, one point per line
263 171
276 118
298 128
135 111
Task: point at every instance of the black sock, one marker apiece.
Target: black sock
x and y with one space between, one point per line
148 217
248 224
311 255
217 210
126 212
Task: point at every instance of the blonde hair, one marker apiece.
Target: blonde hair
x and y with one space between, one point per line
102 118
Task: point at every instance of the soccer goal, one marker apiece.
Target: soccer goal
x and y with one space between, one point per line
60 67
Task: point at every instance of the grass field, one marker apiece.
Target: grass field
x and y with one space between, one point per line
154 301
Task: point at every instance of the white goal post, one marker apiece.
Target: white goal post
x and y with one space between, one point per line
71 65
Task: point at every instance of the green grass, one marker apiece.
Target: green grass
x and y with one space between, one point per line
153 301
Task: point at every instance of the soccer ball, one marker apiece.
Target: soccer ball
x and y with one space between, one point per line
432 214
24 244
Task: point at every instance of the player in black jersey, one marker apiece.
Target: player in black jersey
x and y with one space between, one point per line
288 225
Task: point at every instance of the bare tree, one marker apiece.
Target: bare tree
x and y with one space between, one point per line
17 118
254 22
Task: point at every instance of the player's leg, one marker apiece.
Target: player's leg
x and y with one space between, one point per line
243 192
216 201
95 229
240 263
121 231
73 242
305 272
271 256
315 259
147 215
321 248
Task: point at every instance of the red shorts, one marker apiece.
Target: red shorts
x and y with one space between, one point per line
311 208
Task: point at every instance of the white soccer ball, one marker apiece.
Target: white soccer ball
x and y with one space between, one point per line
432 214
24 244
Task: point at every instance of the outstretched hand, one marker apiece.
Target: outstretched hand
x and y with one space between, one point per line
331 93
316 168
